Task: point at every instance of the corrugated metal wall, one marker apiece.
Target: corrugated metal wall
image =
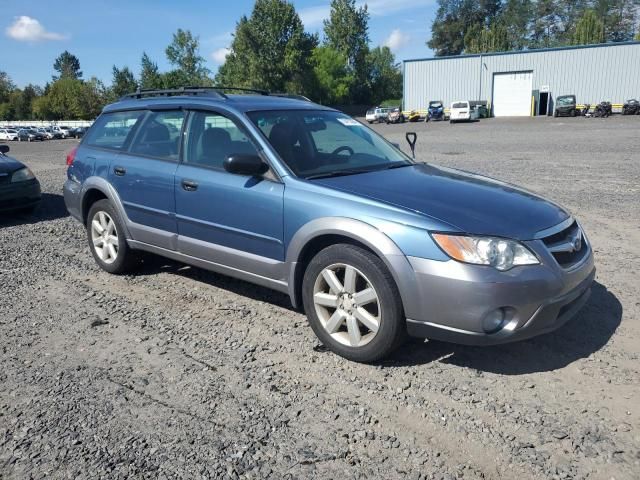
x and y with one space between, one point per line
593 74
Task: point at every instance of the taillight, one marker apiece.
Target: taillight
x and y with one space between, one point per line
71 156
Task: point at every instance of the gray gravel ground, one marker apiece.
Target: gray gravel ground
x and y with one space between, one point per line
179 373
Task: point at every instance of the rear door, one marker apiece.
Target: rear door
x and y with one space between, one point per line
143 176
234 220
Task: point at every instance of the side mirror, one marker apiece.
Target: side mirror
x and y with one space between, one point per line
4 149
251 165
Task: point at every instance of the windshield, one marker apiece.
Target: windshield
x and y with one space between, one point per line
325 143
564 101
435 104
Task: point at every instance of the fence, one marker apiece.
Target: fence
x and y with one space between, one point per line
45 123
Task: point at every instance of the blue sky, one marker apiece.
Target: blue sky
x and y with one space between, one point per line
102 33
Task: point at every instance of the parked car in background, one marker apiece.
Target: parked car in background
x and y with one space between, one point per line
460 111
631 107
8 134
43 131
395 115
78 132
565 106
62 131
53 134
19 188
30 135
371 243
435 111
377 114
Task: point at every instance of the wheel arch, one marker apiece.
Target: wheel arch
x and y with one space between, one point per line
97 188
321 233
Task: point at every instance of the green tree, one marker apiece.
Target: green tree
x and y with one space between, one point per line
6 86
68 66
334 79
347 31
546 25
590 29
453 20
619 17
123 82
149 75
481 39
184 54
638 36
94 96
385 77
516 17
270 50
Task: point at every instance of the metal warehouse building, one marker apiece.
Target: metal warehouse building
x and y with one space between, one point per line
526 83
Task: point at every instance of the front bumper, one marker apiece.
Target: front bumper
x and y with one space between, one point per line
454 298
16 196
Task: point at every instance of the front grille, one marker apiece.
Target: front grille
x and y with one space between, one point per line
568 246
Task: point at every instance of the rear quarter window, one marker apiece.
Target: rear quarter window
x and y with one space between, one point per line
111 130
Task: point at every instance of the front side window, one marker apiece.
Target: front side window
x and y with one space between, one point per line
159 135
111 130
212 138
326 143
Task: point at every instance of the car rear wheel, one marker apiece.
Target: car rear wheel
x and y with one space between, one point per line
107 242
353 304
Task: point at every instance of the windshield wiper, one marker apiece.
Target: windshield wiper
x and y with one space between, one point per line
397 165
335 173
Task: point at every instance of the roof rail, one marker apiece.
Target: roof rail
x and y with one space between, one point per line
243 89
293 96
152 92
211 91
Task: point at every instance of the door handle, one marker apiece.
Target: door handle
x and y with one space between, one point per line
120 171
189 185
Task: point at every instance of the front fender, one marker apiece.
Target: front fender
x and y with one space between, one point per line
361 232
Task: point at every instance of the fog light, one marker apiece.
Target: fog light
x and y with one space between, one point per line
494 321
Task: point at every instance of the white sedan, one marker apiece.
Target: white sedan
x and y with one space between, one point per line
460 111
8 134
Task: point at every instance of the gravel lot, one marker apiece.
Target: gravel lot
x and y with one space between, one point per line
179 373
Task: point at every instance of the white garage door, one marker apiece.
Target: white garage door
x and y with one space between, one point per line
512 94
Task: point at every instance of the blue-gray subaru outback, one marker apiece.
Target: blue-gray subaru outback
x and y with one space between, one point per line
303 199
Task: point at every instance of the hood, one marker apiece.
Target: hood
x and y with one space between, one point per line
472 203
9 165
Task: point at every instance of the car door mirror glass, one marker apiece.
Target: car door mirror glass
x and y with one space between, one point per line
245 165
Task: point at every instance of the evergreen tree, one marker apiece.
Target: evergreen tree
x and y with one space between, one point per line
590 29
334 80
149 75
68 66
487 39
123 82
270 50
184 54
347 31
385 76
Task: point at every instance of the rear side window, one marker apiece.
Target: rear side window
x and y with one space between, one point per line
111 130
159 135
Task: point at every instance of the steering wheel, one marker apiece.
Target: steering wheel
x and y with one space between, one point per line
343 148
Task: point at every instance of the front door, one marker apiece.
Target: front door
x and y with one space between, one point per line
233 220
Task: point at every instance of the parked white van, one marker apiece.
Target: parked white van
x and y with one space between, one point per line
460 111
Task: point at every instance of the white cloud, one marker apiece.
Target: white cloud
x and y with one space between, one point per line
313 16
220 55
397 40
27 29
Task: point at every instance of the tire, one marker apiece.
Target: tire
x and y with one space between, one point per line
125 258
555 114
573 113
383 313
452 122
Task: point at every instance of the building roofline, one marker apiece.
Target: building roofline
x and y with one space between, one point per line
520 52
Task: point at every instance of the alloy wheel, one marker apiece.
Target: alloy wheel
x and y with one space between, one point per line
347 305
104 236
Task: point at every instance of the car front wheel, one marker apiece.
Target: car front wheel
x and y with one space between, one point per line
353 304
107 242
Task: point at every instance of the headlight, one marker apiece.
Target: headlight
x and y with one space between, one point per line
22 175
500 253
